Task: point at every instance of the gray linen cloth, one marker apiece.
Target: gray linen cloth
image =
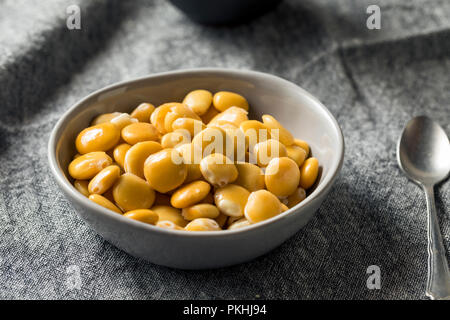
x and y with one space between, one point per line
373 81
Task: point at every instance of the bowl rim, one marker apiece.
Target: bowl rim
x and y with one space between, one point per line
70 190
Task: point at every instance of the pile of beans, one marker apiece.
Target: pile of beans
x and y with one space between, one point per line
198 165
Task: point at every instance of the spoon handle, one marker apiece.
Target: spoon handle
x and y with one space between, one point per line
438 281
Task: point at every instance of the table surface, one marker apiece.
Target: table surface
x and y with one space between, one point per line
373 81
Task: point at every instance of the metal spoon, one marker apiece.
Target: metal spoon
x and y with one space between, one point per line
423 153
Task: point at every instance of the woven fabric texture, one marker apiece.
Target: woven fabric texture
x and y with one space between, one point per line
373 81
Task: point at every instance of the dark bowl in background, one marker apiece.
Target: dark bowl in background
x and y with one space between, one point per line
222 12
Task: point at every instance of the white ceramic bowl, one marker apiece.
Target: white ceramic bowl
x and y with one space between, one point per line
299 111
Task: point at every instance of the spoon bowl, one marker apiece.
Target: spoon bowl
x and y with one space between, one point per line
424 151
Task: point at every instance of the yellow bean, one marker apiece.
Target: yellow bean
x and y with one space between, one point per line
284 207
190 194
82 187
218 169
241 223
224 99
103 118
309 171
139 132
177 111
284 136
209 141
255 131
209 115
131 192
175 138
101 137
231 200
250 176
199 101
282 176
158 116
165 170
100 200
119 153
295 198
237 144
88 165
168 225
123 120
143 112
104 180
202 210
302 144
224 126
190 125
167 213
143 215
262 205
297 154
137 154
268 150
193 169
202 224
232 116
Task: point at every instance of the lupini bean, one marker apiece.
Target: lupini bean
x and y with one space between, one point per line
131 192
101 137
295 198
102 118
302 144
231 200
250 176
104 180
241 223
165 170
202 224
199 101
143 112
139 132
218 169
190 194
285 136
282 176
262 205
143 215
88 165
119 153
100 200
168 225
137 154
167 213
82 187
224 99
297 154
309 172
202 210
123 120
268 150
